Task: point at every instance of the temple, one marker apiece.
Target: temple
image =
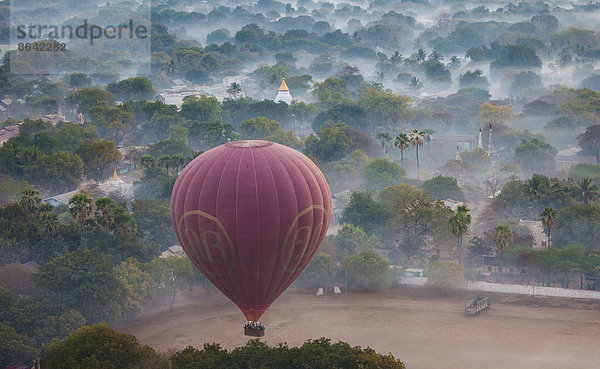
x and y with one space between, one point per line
284 93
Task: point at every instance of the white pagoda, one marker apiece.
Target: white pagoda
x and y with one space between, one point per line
284 93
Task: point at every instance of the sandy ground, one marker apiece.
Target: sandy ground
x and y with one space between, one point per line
422 330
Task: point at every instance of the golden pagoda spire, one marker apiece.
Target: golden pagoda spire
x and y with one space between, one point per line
115 177
283 86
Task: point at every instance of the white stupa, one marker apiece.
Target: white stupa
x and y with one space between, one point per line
284 93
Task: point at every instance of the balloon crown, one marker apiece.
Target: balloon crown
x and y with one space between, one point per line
249 143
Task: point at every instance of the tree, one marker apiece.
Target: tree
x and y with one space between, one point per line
385 109
536 155
548 220
402 142
57 172
80 209
234 89
351 239
138 286
416 139
495 116
258 128
105 215
420 56
79 80
586 190
502 238
578 224
136 88
96 347
83 281
30 203
169 274
15 347
442 188
473 79
381 173
459 223
383 137
363 211
590 140
86 98
415 84
367 270
99 158
330 145
444 275
319 271
203 109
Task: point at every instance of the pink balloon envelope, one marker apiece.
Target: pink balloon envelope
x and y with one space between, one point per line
251 215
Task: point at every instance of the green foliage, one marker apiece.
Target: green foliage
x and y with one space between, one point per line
331 144
258 128
86 98
442 188
444 275
578 224
367 270
203 109
81 280
363 211
169 274
319 353
99 158
153 219
517 56
590 140
319 271
536 156
96 347
138 286
15 347
473 79
382 173
137 88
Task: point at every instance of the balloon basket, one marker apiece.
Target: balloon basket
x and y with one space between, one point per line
254 330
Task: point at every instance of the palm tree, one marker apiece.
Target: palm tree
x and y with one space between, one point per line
170 68
420 55
234 89
81 209
105 214
548 220
402 142
503 236
586 190
454 62
383 137
459 223
417 139
48 221
436 56
30 202
415 83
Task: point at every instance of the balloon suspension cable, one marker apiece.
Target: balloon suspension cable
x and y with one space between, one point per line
255 329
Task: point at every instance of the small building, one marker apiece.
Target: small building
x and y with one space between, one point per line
175 250
55 118
414 272
62 199
8 132
283 94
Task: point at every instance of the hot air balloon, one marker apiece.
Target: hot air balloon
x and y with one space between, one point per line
250 215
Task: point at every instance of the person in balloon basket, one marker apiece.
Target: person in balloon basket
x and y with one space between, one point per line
255 325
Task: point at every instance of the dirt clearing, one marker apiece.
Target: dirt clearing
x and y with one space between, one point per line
424 331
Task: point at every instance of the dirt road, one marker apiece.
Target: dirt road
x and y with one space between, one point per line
426 332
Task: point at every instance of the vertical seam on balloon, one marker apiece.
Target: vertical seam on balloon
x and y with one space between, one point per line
265 293
214 274
192 175
310 170
289 277
281 248
258 230
237 238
